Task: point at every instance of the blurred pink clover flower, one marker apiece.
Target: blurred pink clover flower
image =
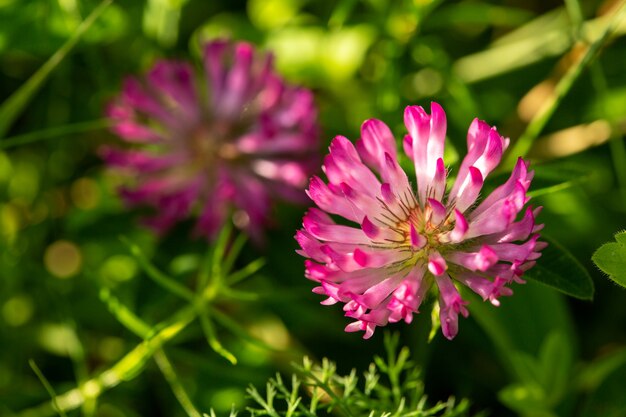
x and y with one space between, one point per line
209 145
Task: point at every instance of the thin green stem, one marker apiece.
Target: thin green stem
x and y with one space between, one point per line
81 370
47 386
216 345
205 270
331 393
227 292
248 270
125 369
133 323
552 189
233 253
157 276
211 272
171 377
217 273
154 337
125 316
238 330
16 103
54 132
545 112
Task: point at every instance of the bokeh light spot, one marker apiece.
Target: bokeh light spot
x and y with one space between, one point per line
9 222
111 348
59 339
226 399
85 193
272 14
427 82
24 183
63 259
272 332
18 310
5 167
119 268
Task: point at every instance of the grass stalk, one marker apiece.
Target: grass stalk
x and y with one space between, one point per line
54 132
125 369
541 118
17 102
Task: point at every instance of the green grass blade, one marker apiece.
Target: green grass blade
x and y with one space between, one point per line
15 104
545 112
54 132
547 36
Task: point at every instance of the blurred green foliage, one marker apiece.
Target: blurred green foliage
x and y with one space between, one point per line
70 289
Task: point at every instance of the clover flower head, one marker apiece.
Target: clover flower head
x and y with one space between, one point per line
208 145
414 239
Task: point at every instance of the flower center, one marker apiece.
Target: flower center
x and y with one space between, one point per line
423 230
209 142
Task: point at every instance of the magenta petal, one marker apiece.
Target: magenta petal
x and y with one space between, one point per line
469 190
377 141
417 241
438 211
369 228
450 306
439 180
436 264
460 227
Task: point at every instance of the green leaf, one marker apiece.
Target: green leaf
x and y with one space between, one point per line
555 358
611 259
527 369
525 399
559 269
609 399
596 372
543 380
